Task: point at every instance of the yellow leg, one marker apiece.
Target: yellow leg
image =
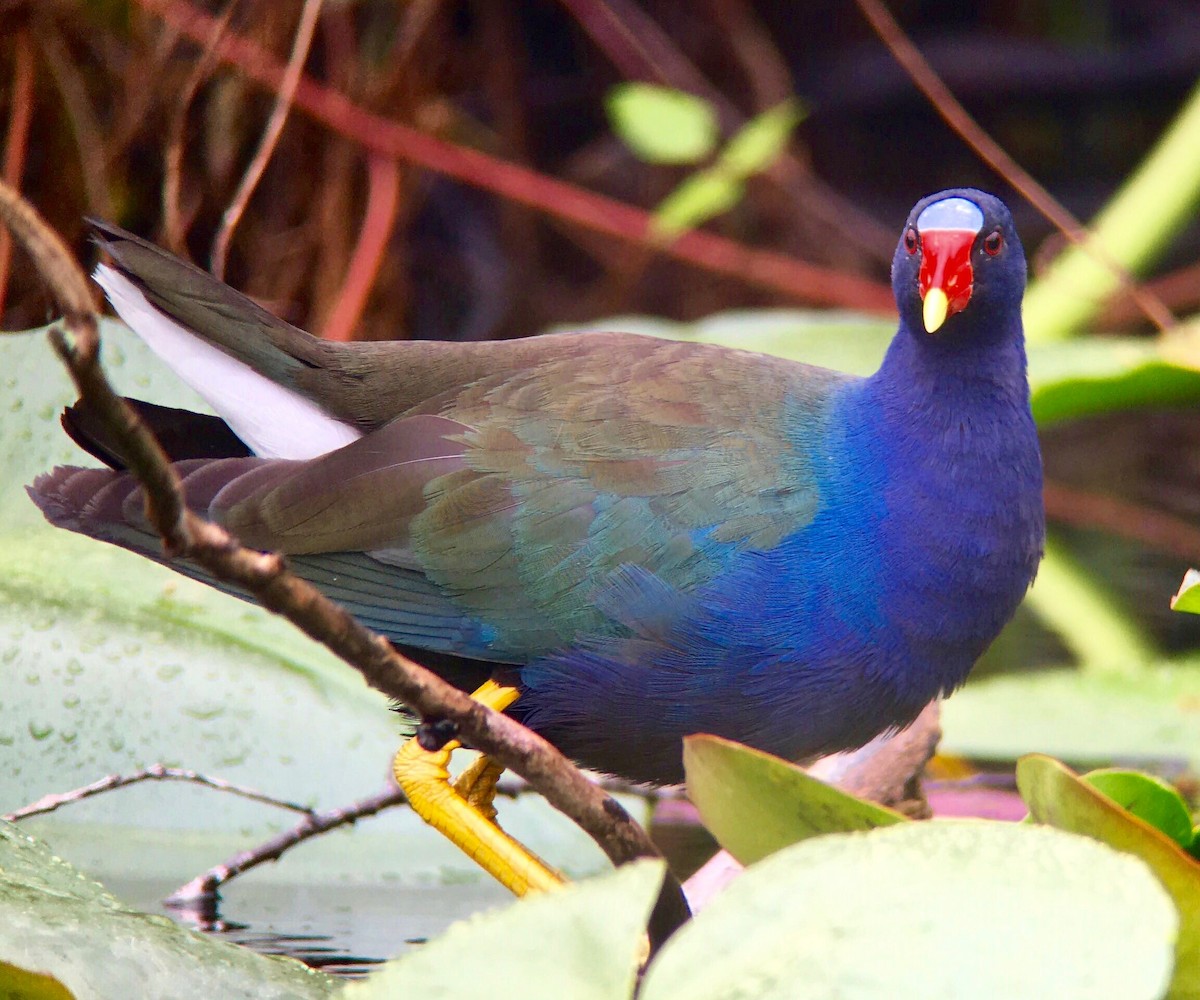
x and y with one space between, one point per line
463 812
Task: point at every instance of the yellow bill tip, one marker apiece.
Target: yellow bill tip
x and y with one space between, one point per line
937 306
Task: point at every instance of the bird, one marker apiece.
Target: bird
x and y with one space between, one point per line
618 539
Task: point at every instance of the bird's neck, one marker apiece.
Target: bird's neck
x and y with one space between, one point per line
947 378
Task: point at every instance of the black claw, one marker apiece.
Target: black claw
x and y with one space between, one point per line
434 734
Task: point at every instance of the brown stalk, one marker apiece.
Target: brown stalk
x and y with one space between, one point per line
1153 528
284 98
774 271
16 139
379 218
265 575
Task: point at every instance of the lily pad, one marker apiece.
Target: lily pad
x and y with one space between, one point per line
581 941
755 804
54 920
945 909
1088 717
1060 798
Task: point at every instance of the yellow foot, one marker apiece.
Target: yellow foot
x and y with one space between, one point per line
464 812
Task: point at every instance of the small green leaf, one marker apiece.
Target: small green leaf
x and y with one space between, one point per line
758 144
699 198
56 920
1188 598
1148 798
24 984
581 941
949 908
662 125
1058 797
755 804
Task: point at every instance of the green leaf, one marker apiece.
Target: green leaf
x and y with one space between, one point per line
755 804
1095 375
23 984
1149 799
1087 717
662 125
582 941
1060 798
1188 598
924 910
699 198
56 920
759 143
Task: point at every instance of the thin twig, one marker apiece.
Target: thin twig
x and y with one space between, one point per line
991 152
16 139
204 887
265 576
174 225
85 126
155 772
270 137
379 218
774 271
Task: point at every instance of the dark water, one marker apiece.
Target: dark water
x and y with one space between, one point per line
342 930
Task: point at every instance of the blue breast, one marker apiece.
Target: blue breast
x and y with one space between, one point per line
917 556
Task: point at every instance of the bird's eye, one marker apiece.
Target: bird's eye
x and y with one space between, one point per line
992 243
910 241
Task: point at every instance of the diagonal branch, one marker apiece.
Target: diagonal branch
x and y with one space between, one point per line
265 575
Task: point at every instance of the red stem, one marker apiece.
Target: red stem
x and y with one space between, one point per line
776 272
16 142
379 218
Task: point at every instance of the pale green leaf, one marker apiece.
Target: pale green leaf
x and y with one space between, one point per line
55 920
662 125
582 941
929 911
759 143
1060 798
699 198
755 804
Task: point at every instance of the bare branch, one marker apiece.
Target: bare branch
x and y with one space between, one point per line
201 892
270 137
265 576
155 772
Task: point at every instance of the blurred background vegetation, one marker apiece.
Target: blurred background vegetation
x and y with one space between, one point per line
449 170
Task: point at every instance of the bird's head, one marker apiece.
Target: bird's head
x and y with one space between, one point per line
959 256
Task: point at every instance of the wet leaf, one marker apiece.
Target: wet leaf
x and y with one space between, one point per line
1058 797
944 909
582 941
55 920
755 804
